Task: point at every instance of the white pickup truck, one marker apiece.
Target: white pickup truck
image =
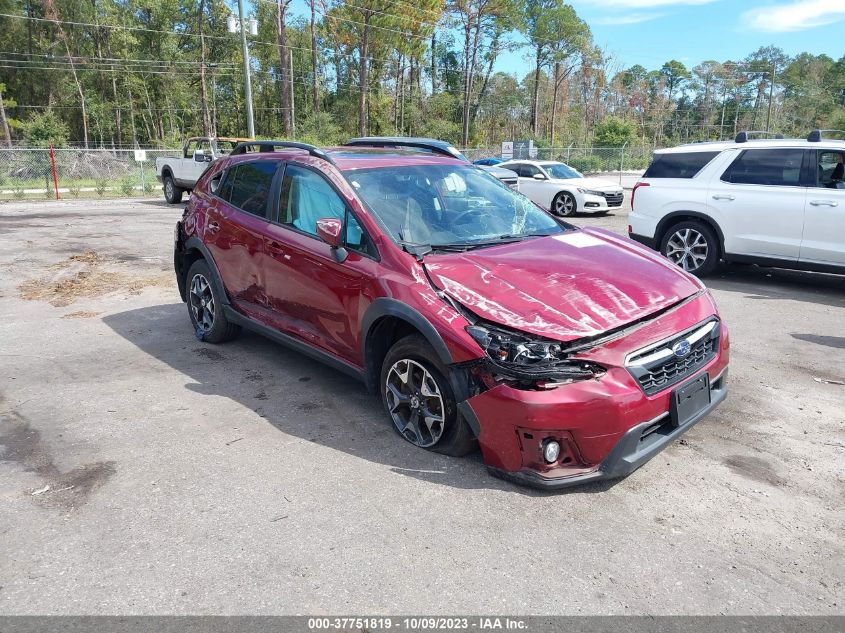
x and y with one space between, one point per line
180 173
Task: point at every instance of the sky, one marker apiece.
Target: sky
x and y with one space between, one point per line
651 32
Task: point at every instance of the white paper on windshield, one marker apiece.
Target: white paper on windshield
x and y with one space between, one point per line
579 239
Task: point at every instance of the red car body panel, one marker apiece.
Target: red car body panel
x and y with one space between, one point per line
582 285
563 287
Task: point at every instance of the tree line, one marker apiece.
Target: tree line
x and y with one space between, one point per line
117 73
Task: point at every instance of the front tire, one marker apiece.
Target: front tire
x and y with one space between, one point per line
418 399
172 193
205 306
564 204
693 246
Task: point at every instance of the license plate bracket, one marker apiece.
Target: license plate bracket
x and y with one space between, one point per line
688 399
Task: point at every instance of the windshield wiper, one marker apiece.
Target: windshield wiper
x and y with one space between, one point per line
417 249
513 237
456 248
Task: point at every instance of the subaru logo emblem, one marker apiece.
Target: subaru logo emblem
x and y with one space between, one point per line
681 348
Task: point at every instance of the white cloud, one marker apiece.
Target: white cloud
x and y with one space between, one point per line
630 18
795 16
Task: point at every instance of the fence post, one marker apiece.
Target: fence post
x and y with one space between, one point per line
55 176
622 161
569 151
143 184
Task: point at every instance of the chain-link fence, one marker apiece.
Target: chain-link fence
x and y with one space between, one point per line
587 160
92 173
79 173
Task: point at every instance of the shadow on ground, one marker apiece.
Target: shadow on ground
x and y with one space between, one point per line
759 283
300 397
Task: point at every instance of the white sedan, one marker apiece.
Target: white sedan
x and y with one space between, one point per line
562 189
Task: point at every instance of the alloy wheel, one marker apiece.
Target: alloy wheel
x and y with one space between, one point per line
168 188
688 249
564 205
415 403
202 303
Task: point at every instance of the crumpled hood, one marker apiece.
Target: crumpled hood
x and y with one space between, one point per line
565 287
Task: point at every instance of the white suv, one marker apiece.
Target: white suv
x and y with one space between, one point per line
774 202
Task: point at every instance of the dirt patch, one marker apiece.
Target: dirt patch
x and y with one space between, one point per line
81 314
87 277
88 257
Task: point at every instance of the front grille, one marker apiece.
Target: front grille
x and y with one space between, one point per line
614 199
658 367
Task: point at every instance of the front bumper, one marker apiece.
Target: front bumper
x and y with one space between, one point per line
593 204
650 242
599 423
637 446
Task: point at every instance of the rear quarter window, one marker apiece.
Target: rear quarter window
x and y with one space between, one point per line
678 165
773 167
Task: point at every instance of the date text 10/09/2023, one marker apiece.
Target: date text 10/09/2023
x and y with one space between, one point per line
481 623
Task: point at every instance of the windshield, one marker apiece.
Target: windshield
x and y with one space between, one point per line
559 170
454 205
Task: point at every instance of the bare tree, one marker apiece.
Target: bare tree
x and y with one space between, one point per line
52 14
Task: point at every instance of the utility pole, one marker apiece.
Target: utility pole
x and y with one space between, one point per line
771 95
292 98
250 123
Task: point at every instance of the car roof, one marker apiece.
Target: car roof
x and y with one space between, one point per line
350 157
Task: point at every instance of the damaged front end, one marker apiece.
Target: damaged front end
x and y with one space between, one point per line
525 361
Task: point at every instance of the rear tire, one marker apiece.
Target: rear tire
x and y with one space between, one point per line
172 193
205 306
419 401
564 204
693 246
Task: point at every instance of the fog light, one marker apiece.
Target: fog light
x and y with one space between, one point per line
551 451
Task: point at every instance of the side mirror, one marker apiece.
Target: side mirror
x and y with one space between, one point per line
199 156
539 177
329 230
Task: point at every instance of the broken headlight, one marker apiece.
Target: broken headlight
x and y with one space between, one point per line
523 357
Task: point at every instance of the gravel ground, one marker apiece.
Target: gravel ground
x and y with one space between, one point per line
144 472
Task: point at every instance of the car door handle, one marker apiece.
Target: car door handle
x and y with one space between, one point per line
277 249
723 197
824 203
213 227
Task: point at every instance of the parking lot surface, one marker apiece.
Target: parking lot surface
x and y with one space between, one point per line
145 472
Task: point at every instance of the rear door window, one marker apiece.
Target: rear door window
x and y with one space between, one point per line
247 186
830 168
773 167
524 170
678 164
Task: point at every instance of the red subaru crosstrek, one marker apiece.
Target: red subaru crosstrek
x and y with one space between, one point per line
568 355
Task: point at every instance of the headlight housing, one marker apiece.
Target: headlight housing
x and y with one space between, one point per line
524 357
591 192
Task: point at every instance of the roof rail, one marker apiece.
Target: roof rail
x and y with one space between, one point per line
744 137
270 146
817 136
433 145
